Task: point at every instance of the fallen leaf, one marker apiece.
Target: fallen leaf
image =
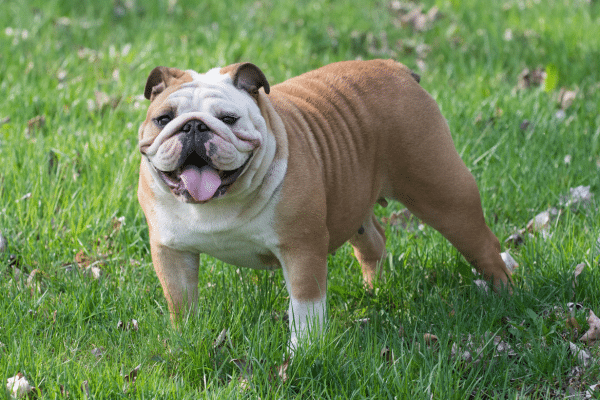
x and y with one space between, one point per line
220 340
93 271
572 323
578 270
282 370
102 101
566 98
515 240
509 261
594 332
582 356
387 354
458 352
64 392
34 281
401 331
3 243
18 386
483 285
589 393
34 124
531 78
503 347
577 197
117 223
82 259
132 376
26 196
411 15
540 222
98 352
134 325
403 219
85 388
244 367
131 325
430 339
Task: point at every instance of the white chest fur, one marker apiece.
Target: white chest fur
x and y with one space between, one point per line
224 229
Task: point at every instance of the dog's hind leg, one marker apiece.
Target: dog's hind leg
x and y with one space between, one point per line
369 248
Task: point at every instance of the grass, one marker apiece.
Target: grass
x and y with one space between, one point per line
67 201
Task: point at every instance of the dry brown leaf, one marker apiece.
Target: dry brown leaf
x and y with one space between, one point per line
282 370
220 340
483 285
3 243
577 197
572 323
403 219
34 281
430 339
93 271
578 270
130 326
387 354
102 101
457 351
412 15
34 124
244 367
85 388
82 259
566 98
401 331
98 352
594 332
509 261
117 223
132 376
26 196
515 240
503 347
582 356
540 222
531 78
18 386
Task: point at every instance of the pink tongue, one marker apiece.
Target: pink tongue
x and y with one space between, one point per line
201 183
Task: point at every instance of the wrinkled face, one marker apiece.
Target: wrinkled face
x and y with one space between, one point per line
200 133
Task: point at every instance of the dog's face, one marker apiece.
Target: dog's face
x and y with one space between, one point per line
202 130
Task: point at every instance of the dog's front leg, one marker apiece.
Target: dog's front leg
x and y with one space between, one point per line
306 280
178 274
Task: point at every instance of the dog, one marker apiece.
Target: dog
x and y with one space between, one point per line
279 177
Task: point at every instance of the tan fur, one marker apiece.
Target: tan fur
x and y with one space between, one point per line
358 131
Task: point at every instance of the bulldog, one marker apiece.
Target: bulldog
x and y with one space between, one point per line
279 177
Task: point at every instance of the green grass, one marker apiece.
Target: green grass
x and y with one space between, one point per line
65 184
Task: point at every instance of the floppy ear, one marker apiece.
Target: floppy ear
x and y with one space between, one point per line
248 77
159 79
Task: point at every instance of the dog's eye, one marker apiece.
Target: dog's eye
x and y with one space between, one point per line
163 120
229 119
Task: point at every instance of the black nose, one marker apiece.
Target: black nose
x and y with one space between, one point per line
195 126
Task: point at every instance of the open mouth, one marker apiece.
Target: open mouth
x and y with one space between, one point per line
198 181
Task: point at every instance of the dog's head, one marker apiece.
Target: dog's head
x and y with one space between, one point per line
202 130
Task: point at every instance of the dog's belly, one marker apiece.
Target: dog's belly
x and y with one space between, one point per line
244 254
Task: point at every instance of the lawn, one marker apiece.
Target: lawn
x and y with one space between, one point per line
82 314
